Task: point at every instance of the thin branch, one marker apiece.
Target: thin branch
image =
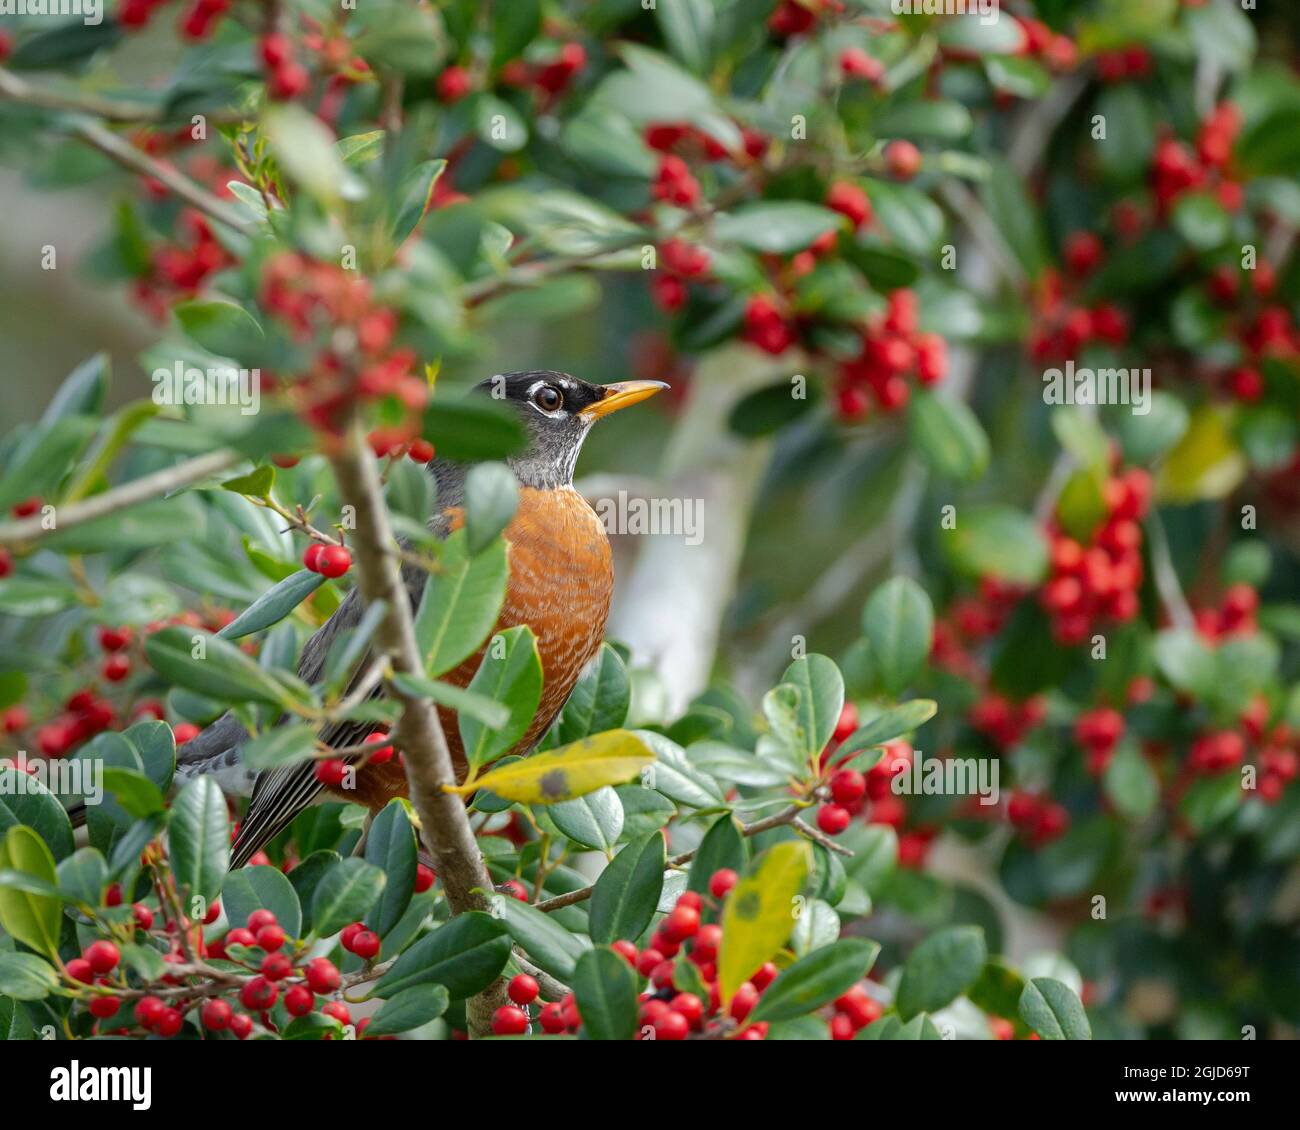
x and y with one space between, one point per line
1165 576
129 157
119 498
444 823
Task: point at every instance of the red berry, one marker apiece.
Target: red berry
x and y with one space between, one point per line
671 1026
114 639
765 976
856 63
276 966
682 923
259 994
322 975
275 49
742 1004
648 961
148 1010
259 918
299 1000
365 944
383 751
850 201
116 668
288 81
625 950
903 159
1083 252
333 561
833 819
453 84
523 989
552 1019
170 1021
331 772
241 1024
509 1021
338 1010
184 732
721 882
424 878
421 451
102 956
848 786
103 1007
216 1015
143 916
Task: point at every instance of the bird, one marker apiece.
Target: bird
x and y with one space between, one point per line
560 582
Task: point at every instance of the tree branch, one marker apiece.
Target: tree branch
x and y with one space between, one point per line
444 823
119 498
129 157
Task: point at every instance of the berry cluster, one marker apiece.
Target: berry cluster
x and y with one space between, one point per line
1234 616
1036 817
1062 324
178 270
893 349
1099 581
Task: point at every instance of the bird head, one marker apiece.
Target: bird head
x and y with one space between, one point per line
557 411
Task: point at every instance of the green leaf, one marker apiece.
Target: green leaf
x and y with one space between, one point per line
83 876
1185 660
35 596
1052 1009
998 541
26 977
156 744
24 800
304 148
1130 783
219 670
899 623
604 988
1015 215
759 913
137 795
391 847
723 847
470 430
261 888
282 745
306 877
600 698
491 499
546 942
948 435
941 968
676 778
465 955
594 820
511 674
225 329
889 724
273 605
775 226
514 27
198 838
30 917
40 458
1201 220
814 980
911 220
769 409
821 698
64 45
345 893
460 604
499 124
413 200
626 893
410 1009
490 713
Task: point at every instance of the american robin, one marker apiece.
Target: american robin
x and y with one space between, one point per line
560 582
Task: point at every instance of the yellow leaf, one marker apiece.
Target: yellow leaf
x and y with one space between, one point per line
760 913
31 918
571 771
1207 462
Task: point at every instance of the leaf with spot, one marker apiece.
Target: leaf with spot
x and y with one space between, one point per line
759 913
570 771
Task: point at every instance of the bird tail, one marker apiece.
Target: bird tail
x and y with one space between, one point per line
278 797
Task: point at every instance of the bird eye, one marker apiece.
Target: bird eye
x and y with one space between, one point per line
548 398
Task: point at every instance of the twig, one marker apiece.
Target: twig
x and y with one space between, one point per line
128 156
119 498
552 989
444 822
1165 577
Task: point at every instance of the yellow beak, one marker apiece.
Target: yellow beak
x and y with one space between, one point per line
621 395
